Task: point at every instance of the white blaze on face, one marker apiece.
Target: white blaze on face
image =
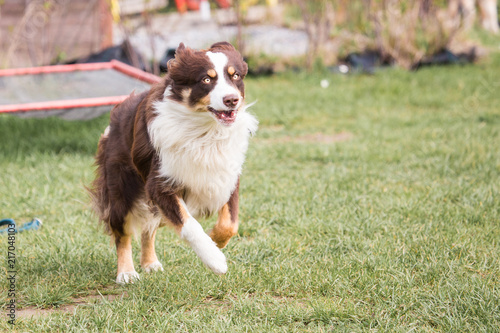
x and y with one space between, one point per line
222 87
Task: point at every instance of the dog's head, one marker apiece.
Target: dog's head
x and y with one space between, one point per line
209 80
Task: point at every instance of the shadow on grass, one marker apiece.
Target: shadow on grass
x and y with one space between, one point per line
20 137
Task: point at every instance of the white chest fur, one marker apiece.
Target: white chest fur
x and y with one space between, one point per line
203 155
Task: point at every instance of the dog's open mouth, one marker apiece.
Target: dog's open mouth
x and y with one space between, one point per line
225 117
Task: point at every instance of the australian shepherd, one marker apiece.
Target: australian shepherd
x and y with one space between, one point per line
173 154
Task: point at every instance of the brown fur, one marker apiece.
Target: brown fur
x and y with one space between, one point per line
127 163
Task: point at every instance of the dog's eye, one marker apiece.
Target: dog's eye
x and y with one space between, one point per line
206 80
236 76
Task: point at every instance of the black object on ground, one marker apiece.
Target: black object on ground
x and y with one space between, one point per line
446 57
124 52
366 61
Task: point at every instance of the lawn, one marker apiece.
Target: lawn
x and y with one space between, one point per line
371 205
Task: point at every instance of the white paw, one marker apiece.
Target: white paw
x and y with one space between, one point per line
153 267
204 246
211 255
215 259
127 277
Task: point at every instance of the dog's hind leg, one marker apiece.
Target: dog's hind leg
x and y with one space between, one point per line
227 221
126 270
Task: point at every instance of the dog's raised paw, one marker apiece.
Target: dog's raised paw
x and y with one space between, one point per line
204 246
212 257
153 267
218 266
127 277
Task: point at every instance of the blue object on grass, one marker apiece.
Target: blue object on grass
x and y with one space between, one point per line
34 224
6 222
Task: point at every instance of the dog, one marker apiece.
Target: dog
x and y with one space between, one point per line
173 154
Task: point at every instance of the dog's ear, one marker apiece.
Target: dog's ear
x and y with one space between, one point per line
222 46
245 69
181 49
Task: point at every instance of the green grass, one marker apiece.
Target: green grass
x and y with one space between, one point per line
396 229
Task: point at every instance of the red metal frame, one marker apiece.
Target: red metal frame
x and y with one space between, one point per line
184 5
75 103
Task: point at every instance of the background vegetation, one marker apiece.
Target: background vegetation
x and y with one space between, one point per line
370 205
402 32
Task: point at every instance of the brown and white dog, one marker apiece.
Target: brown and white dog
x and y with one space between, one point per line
173 154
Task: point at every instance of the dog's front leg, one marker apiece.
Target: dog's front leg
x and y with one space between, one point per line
175 211
149 261
227 221
192 232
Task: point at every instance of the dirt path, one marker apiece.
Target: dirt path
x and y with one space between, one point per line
33 312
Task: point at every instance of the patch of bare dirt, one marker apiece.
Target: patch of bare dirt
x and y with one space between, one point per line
33 312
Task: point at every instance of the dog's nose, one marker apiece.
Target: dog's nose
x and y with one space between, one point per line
231 100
